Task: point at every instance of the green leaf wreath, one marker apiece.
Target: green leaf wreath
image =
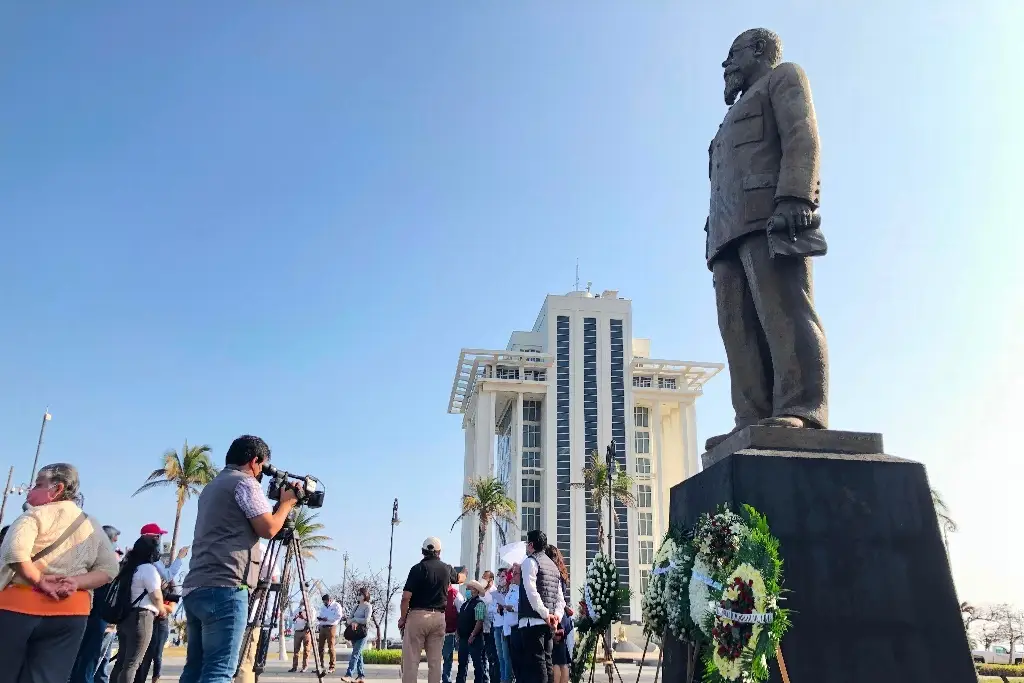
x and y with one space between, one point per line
604 599
718 589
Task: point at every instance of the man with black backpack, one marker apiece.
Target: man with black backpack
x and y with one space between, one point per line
471 637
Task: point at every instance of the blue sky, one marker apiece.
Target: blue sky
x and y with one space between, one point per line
287 219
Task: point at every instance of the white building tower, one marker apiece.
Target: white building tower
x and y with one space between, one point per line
535 411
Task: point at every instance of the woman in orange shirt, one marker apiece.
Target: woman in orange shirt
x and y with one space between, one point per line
51 559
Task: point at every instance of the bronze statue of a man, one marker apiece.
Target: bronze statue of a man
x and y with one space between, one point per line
764 163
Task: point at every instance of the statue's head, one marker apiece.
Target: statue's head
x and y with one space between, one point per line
753 54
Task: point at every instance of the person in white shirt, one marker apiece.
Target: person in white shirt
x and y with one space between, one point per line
511 625
541 607
166 573
328 620
147 601
499 630
302 639
490 646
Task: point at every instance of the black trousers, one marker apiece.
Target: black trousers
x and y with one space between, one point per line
491 650
774 342
535 666
38 649
515 651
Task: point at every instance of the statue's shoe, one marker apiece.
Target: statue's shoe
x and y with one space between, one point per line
715 440
791 421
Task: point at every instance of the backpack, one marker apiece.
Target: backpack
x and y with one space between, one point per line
117 603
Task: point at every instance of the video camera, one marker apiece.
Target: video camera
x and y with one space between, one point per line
308 490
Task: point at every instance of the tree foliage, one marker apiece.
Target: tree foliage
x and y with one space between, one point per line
600 491
188 472
489 501
382 602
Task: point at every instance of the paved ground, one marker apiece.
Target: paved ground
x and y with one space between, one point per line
277 672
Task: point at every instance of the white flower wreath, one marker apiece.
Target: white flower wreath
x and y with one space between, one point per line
601 589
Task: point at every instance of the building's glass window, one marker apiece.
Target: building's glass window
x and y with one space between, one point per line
531 411
536 375
531 460
642 381
646 555
531 436
645 579
642 417
643 497
531 490
563 473
666 382
642 442
507 372
644 522
531 520
643 465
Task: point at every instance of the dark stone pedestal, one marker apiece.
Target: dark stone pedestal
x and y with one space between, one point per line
864 563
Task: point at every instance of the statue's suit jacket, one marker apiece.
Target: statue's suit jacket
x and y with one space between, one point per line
766 149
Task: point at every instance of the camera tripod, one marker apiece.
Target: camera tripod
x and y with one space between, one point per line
268 598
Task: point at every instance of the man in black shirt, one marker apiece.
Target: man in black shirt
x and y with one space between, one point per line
422 616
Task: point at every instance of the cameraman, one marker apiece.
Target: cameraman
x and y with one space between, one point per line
233 515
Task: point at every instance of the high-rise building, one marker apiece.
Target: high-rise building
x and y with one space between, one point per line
535 412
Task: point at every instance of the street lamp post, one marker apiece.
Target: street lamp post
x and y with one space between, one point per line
7 490
610 458
344 579
39 446
395 521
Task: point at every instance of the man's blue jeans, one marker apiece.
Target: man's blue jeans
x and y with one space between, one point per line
216 622
451 641
103 668
89 653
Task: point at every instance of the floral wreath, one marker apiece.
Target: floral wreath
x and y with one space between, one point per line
665 602
601 593
738 574
719 590
603 601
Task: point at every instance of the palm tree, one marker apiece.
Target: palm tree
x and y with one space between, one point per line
595 483
188 472
490 502
606 487
946 523
307 529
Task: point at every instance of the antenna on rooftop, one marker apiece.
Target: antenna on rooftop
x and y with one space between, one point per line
576 287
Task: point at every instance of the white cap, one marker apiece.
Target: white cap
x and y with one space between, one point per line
432 543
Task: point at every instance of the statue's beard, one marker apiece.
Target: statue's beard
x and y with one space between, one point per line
734 84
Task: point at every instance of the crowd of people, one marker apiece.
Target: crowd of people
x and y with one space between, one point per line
56 564
515 626
66 588
62 577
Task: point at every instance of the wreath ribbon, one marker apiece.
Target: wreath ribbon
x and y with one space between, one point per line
751 618
708 580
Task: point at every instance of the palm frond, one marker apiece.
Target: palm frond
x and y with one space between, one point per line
152 485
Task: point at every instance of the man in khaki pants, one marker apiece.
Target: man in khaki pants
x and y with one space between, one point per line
328 620
422 617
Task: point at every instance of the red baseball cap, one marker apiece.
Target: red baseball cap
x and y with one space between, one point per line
153 529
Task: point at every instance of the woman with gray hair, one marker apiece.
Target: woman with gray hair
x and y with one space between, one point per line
52 558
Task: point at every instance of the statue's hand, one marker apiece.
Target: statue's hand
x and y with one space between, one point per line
797 212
